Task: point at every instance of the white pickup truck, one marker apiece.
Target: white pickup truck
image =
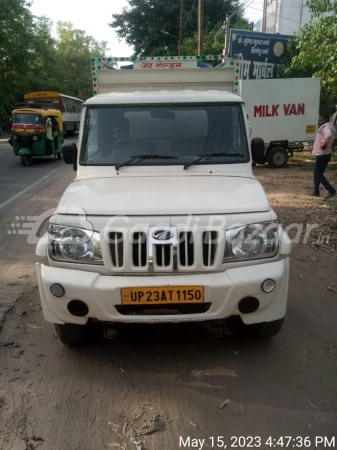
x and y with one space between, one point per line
165 221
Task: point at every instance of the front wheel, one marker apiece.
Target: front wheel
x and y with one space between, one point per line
25 160
71 334
256 330
277 157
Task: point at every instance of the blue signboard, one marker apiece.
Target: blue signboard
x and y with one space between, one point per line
260 53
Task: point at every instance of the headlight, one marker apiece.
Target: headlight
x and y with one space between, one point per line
35 138
72 244
259 240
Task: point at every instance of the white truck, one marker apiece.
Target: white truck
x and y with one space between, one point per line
165 221
284 113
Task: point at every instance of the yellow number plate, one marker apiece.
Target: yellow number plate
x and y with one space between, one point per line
162 295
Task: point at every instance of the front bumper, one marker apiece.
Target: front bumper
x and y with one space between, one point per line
223 290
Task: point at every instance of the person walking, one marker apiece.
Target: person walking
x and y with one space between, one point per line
322 151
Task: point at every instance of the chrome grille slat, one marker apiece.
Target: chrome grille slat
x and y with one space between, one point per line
139 249
117 249
163 255
186 249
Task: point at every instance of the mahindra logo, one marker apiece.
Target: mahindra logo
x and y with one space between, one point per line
162 235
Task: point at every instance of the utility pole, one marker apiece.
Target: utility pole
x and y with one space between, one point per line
264 18
180 40
226 25
201 27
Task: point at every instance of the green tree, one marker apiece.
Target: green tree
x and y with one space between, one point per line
313 50
32 60
140 23
73 51
16 48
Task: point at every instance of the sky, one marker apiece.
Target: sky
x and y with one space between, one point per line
93 17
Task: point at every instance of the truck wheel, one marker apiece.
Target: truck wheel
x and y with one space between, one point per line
256 330
71 334
277 157
266 329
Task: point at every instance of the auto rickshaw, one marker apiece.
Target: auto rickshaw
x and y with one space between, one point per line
36 133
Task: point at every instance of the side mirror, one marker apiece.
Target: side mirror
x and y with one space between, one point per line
69 152
257 149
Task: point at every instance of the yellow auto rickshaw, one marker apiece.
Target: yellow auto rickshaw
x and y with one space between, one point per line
36 132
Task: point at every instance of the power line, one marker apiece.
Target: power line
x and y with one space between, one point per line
238 10
188 18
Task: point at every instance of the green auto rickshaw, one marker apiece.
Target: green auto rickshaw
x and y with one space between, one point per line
36 133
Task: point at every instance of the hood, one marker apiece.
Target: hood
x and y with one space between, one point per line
174 195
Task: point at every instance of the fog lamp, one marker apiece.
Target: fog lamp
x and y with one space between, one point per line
57 290
268 285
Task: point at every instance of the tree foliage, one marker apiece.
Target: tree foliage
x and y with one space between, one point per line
73 51
141 22
313 49
31 59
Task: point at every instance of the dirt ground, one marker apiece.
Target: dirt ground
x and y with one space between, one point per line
153 385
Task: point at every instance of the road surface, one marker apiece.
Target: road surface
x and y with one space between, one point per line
24 192
154 385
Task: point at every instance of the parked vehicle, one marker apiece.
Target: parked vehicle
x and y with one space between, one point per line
165 221
36 133
70 107
283 112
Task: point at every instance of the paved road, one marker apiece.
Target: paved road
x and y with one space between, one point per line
18 182
156 384
24 192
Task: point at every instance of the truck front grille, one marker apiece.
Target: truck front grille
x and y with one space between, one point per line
189 251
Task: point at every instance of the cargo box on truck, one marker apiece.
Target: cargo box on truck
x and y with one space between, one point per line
283 112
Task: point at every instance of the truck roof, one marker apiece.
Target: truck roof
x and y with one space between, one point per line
153 97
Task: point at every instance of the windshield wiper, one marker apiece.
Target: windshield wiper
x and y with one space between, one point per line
208 156
141 158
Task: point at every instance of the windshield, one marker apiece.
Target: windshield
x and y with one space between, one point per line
27 119
113 135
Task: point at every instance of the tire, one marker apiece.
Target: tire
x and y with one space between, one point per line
71 334
256 330
266 329
277 157
25 160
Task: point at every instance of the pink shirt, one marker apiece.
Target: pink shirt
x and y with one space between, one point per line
324 138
